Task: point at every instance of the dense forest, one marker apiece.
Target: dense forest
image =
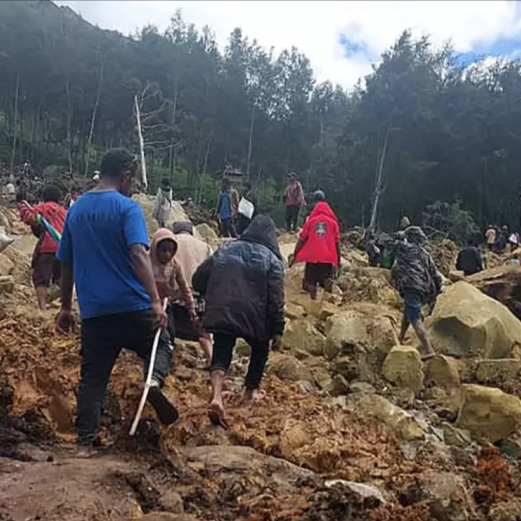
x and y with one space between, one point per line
436 131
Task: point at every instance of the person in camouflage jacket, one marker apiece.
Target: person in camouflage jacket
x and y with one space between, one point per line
415 276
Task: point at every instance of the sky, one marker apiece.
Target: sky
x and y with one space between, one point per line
342 39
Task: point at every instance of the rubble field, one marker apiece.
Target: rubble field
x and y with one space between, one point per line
353 426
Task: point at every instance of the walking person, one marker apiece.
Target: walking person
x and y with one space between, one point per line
319 247
227 206
418 281
163 203
104 252
45 268
469 259
294 199
191 253
243 284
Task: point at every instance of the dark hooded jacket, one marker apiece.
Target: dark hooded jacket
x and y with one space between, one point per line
243 285
413 269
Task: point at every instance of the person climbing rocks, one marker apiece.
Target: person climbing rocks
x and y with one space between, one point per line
416 278
191 253
163 203
319 247
294 199
170 278
372 249
247 208
227 206
104 251
45 268
317 197
243 284
469 259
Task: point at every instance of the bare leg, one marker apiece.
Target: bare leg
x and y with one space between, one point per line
216 408
206 346
41 294
313 292
404 328
421 332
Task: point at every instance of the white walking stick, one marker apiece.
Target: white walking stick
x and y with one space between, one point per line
148 381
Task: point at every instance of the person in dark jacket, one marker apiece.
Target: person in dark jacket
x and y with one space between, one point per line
418 281
243 284
469 259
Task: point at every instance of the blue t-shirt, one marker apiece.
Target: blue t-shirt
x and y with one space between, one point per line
96 239
225 205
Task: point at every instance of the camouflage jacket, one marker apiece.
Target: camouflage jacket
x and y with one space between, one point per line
414 270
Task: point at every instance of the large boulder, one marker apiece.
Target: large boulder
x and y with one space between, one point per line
302 335
489 412
467 323
403 367
443 371
287 367
206 232
345 332
398 421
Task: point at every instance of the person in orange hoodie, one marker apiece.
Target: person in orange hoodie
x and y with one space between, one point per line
45 267
319 247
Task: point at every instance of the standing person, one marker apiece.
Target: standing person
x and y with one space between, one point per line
45 267
490 237
294 199
372 249
243 283
104 251
247 208
227 206
418 281
319 247
469 259
11 192
191 253
163 203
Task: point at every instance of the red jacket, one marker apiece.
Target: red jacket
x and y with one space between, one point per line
55 215
320 236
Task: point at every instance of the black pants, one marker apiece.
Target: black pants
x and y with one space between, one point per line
102 339
292 213
318 274
242 223
228 228
222 358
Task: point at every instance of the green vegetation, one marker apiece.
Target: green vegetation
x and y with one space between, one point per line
67 94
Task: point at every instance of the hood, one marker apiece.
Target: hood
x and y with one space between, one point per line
262 231
159 236
415 235
322 208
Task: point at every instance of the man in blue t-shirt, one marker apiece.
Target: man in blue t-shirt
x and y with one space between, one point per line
104 251
227 209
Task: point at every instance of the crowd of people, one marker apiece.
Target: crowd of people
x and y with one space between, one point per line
128 287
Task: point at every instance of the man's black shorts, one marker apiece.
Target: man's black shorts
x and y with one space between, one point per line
318 274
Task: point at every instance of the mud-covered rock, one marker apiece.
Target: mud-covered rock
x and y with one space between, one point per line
398 421
489 412
455 437
206 232
443 371
7 284
403 367
338 386
497 371
302 335
466 323
345 332
287 367
6 265
445 402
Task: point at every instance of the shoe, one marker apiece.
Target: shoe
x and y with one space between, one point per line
166 411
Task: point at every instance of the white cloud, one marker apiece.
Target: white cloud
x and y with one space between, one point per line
315 27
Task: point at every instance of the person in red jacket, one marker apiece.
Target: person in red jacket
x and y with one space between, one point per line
45 267
319 247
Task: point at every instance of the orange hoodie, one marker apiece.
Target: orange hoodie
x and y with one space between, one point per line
320 236
169 277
